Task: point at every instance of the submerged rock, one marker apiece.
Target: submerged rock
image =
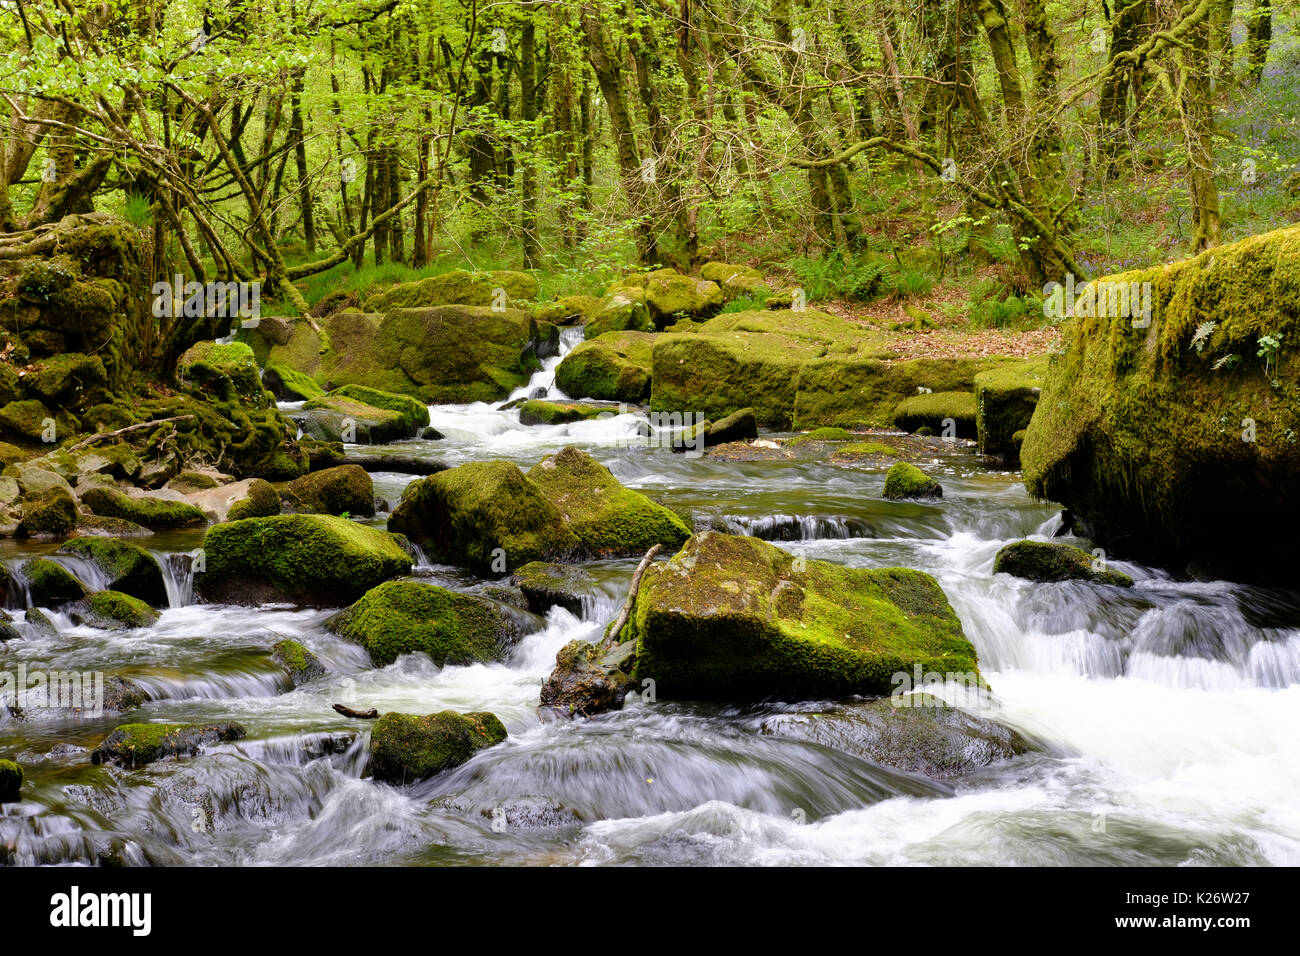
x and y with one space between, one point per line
11 781
50 584
407 617
904 480
134 745
115 611
545 586
735 618
1053 561
405 748
129 568
923 735
315 559
298 662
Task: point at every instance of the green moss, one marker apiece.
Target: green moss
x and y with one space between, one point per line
188 482
1005 399
607 518
48 513
465 514
371 424
566 310
618 313
904 480
407 617
129 568
821 434
150 512
935 410
1052 561
70 378
290 385
405 748
51 584
334 491
865 448
301 664
414 414
736 618
28 419
670 296
309 557
457 287
262 501
116 610
134 745
226 371
1141 437
539 412
11 781
614 367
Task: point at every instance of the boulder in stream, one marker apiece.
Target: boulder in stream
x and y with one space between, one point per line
613 367
314 559
334 491
904 480
546 585
736 618
11 781
114 611
50 584
1052 561
128 567
298 662
407 617
405 748
134 745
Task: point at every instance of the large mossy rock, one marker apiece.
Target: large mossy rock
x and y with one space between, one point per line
905 480
440 354
483 515
614 367
11 781
566 310
670 296
916 732
128 567
1051 561
150 512
115 611
608 519
408 617
1164 446
618 313
735 618
226 370
540 412
405 748
134 745
951 414
735 280
50 584
1005 399
546 585
457 287
49 513
357 414
313 559
334 491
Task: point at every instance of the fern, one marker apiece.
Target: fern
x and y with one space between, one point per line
1202 336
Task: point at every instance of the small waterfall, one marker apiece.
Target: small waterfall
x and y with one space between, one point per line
798 527
178 576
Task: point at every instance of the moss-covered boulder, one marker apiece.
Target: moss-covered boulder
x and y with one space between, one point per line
904 480
227 371
486 515
614 367
413 414
115 611
298 662
69 379
134 745
735 618
607 518
128 567
50 584
951 414
30 420
49 513
343 415
670 296
458 287
546 585
260 501
735 280
11 781
1053 561
334 491
1005 399
407 617
405 748
289 385
566 310
188 482
147 511
618 313
1176 440
540 412
313 559
917 733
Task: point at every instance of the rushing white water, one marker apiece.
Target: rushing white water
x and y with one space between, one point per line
1165 713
